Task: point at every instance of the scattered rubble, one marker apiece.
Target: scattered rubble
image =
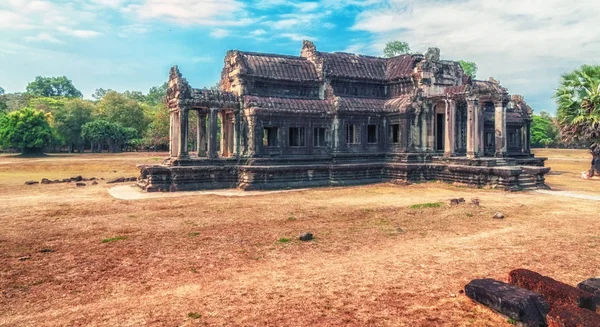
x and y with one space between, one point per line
122 180
306 237
517 303
555 292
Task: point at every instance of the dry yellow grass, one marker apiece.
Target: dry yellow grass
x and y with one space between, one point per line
211 260
567 166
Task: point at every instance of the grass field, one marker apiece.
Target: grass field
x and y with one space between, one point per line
383 255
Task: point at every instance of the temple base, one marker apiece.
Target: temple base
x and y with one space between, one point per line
276 174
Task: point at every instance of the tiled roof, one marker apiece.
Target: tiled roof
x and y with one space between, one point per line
213 99
399 104
488 87
455 89
279 67
399 67
348 65
287 105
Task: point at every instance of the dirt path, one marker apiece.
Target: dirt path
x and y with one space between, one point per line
571 195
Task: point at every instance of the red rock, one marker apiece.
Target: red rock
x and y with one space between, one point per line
555 292
572 316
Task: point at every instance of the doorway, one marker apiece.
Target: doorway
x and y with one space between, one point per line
439 132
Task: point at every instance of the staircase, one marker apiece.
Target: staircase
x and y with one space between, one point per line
527 182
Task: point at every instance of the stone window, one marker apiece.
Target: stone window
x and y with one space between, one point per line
319 137
271 136
489 140
351 134
372 133
395 129
296 135
513 139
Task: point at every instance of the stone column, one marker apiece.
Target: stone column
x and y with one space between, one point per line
472 127
183 133
500 123
173 144
480 129
449 128
201 147
211 152
527 138
424 139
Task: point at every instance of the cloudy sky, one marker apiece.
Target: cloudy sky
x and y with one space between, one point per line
130 44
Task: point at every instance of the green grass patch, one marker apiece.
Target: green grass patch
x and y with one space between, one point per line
284 240
114 239
193 234
194 315
470 215
426 205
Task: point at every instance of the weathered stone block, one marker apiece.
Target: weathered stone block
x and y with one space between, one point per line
555 292
31 182
572 316
517 303
591 285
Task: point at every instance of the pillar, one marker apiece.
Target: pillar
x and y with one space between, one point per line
480 129
500 127
173 144
201 127
424 131
449 128
472 128
211 152
183 133
527 137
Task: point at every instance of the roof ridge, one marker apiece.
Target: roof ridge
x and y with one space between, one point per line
275 55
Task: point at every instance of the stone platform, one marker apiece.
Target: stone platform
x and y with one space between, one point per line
269 174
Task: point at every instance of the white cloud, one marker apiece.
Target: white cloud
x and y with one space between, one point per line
109 3
134 29
219 33
258 32
43 37
193 12
526 44
297 37
84 34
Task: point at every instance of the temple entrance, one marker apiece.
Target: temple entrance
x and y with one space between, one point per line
460 131
227 134
439 132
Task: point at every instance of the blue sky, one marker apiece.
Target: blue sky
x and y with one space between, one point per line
131 44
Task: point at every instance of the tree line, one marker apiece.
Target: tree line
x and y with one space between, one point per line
52 116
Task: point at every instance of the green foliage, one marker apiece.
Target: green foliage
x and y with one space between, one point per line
69 120
53 87
15 101
284 240
27 130
395 48
104 132
122 110
194 315
469 67
157 133
426 205
1 90
100 93
578 106
114 239
156 95
47 104
544 131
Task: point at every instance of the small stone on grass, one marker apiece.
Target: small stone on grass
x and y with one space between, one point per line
306 237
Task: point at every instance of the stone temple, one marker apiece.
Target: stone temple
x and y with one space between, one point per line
325 119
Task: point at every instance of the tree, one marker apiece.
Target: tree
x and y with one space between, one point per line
1 91
544 132
395 48
156 94
578 102
3 105
101 132
117 108
469 67
100 93
157 133
53 87
69 120
27 130
135 95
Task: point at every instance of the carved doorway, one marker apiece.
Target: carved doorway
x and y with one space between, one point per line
439 128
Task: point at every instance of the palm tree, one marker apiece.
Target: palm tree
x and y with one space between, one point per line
578 101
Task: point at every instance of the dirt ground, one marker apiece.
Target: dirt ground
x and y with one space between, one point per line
78 257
